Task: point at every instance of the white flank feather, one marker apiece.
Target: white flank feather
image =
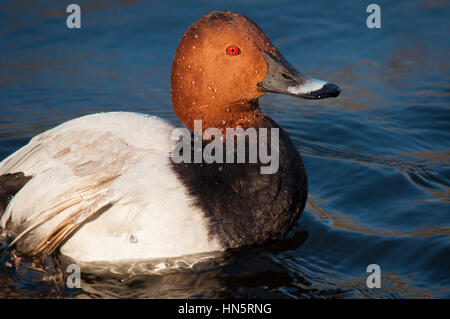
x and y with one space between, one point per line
106 178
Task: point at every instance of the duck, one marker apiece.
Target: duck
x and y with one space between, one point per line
104 187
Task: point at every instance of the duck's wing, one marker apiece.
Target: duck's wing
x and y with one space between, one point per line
73 168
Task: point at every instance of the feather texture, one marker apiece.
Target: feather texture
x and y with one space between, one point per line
103 189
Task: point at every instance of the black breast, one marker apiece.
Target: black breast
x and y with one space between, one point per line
243 206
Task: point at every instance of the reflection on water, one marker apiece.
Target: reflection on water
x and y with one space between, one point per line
378 157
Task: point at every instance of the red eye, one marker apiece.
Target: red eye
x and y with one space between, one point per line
233 50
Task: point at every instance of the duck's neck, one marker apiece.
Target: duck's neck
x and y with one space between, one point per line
237 115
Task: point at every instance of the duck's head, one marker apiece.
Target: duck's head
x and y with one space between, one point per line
223 64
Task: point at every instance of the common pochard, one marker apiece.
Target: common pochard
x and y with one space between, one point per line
104 187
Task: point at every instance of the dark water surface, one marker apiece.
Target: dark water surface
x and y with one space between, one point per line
378 157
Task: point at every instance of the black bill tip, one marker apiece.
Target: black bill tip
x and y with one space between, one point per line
327 90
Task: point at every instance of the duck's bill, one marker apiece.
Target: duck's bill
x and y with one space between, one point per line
283 78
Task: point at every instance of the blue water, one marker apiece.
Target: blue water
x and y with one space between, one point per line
378 157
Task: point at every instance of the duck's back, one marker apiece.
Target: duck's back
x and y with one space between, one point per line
102 185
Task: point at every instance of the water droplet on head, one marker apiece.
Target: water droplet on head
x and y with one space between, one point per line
256 71
196 36
214 90
267 43
209 88
227 110
188 66
193 82
222 122
133 239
